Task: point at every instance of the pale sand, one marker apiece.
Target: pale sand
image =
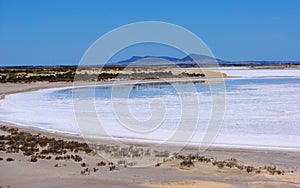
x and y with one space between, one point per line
189 184
9 88
22 173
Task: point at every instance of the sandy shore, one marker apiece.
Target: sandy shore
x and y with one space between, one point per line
210 171
11 88
23 172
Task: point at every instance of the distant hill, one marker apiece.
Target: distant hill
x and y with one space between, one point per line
193 60
188 61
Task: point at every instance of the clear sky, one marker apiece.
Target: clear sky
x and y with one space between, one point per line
53 32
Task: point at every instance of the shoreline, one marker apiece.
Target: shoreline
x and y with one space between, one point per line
137 141
175 170
11 88
28 87
172 174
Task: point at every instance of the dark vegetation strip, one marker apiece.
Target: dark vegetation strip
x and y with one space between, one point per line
68 74
37 147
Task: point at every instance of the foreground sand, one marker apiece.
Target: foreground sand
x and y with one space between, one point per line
22 172
66 173
190 184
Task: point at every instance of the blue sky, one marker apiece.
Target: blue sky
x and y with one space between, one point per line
54 32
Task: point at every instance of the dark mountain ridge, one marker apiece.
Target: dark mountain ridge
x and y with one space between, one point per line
187 61
193 60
